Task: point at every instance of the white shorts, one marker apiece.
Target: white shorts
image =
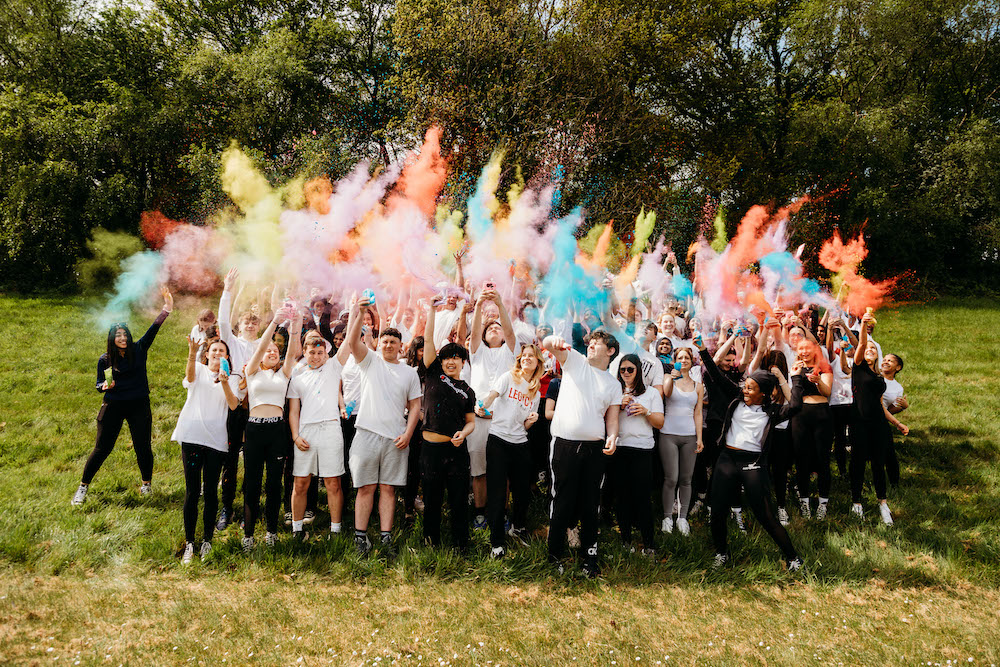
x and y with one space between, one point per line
476 443
376 460
325 456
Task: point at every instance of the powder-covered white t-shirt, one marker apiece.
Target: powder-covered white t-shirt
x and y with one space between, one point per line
203 418
488 364
385 390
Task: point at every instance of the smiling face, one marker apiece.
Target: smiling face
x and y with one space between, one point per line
316 355
249 326
795 336
121 339
668 327
528 361
871 354
728 362
752 395
627 371
338 339
452 367
684 357
665 348
890 365
216 352
806 352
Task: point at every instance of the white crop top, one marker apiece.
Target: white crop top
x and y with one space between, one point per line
267 388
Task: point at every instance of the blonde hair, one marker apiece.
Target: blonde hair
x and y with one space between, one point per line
536 376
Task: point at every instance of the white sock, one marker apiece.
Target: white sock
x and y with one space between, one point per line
335 527
824 501
296 526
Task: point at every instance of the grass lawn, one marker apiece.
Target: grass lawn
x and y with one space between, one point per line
103 583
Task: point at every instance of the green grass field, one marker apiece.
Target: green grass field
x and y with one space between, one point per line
104 584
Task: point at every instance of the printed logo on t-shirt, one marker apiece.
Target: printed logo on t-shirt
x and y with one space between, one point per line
519 396
447 381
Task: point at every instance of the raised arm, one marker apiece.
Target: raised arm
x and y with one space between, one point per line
430 354
762 333
294 350
253 364
508 326
859 352
557 346
725 385
724 348
192 360
476 335
352 337
168 305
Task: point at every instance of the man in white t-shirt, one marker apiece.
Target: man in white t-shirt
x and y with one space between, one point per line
491 354
378 458
584 431
314 419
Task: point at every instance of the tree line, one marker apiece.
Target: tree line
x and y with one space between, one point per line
884 112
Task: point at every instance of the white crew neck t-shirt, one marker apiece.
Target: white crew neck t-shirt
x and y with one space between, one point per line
635 431
318 390
202 420
487 365
585 395
511 407
385 390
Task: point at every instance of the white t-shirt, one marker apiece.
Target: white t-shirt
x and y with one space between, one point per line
444 322
893 390
511 407
635 431
488 364
524 334
203 418
385 391
198 335
585 395
318 390
840 393
351 377
747 428
240 349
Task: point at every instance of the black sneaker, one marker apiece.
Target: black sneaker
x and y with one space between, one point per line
388 550
556 564
519 535
300 535
591 569
223 521
363 545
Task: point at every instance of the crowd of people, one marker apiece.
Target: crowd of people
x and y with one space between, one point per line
483 400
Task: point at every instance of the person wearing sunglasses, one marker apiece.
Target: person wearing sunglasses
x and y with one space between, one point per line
632 467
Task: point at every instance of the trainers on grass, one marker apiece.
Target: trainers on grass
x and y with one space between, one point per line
795 564
308 517
248 544
519 535
782 516
497 553
667 526
224 517
883 510
206 551
740 523
270 539
720 561
363 544
146 489
857 510
188 553
683 527
804 508
821 511
80 496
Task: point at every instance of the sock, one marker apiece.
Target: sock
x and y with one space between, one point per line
335 527
296 526
480 514
361 534
824 501
386 536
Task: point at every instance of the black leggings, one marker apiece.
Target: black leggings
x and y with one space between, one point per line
236 424
445 466
412 474
841 419
632 470
577 477
202 466
265 448
733 469
780 456
507 462
109 425
705 460
868 443
812 436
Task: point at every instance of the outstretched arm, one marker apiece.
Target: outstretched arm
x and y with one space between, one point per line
430 354
253 364
353 336
294 350
168 305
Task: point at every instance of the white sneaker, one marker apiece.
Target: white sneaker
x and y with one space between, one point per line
821 511
270 539
80 496
720 560
247 544
206 550
146 489
497 553
740 523
668 525
883 509
795 564
683 527
188 553
804 508
782 516
857 510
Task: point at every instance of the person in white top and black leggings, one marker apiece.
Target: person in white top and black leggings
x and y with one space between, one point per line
751 415
201 431
680 438
266 433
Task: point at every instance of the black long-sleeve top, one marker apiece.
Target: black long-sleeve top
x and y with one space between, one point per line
130 379
731 393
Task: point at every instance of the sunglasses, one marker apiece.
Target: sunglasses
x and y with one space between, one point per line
627 370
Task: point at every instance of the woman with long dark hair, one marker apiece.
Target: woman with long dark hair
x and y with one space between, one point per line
632 464
121 377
